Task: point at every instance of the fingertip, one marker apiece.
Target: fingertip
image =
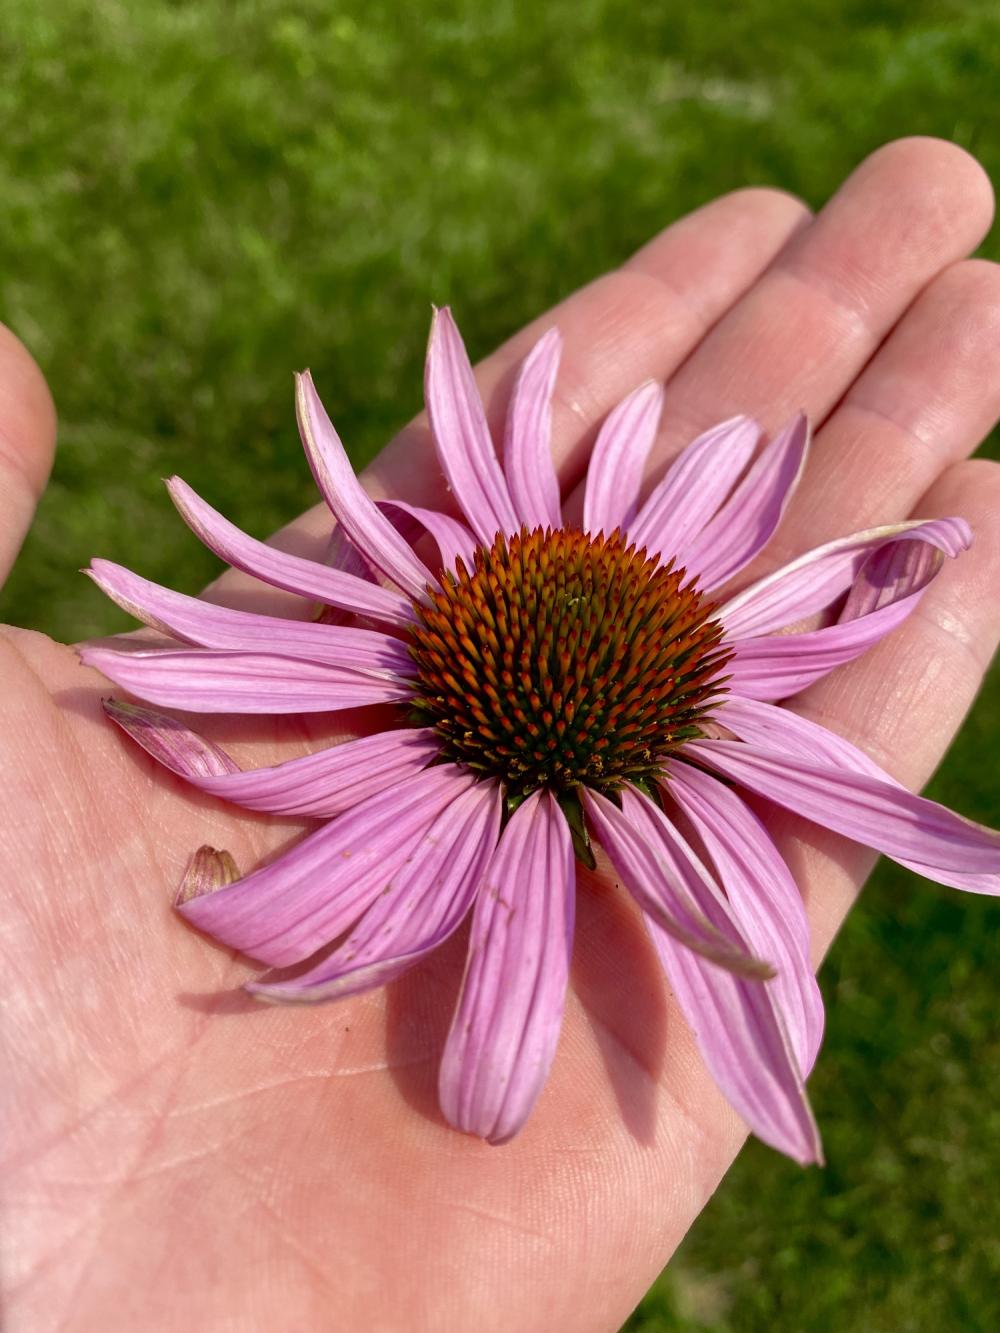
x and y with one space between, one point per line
744 228
27 414
943 180
27 443
764 203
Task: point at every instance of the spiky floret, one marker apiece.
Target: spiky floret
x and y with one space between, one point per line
562 659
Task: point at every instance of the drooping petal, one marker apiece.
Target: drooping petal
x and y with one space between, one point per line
873 811
221 627
662 887
736 1021
461 434
784 732
614 474
815 580
527 454
694 487
454 540
763 896
318 785
740 1037
423 903
749 518
352 506
287 910
307 578
504 1033
206 681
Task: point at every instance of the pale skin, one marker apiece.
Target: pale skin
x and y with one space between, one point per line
178 1157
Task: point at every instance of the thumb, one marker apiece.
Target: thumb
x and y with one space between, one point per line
27 442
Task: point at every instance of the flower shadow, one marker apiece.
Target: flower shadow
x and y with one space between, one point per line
617 980
619 983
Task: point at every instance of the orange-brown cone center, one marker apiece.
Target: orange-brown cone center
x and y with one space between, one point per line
562 659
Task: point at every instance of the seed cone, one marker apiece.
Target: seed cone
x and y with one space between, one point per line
562 659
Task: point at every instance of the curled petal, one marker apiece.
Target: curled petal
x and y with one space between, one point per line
763 897
785 733
527 455
662 885
749 518
736 1021
614 474
170 742
504 1033
318 785
352 506
205 681
287 910
423 903
220 627
887 588
694 487
307 578
815 580
462 436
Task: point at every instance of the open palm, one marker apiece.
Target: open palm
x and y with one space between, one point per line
178 1156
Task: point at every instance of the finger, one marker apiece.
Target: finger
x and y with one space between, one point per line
636 322
927 399
27 441
808 326
904 700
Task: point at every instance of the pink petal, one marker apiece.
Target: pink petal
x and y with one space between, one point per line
425 902
871 810
318 785
461 435
784 732
504 1033
287 910
307 578
614 474
662 886
764 899
352 506
739 1033
212 626
527 455
453 539
815 580
887 589
694 487
736 1021
748 520
205 681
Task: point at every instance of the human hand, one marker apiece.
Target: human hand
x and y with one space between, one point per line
179 1156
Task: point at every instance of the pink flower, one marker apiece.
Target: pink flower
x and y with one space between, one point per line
555 685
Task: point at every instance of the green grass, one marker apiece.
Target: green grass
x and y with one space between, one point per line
197 198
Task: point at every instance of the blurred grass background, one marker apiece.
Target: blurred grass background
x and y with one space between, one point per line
197 198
